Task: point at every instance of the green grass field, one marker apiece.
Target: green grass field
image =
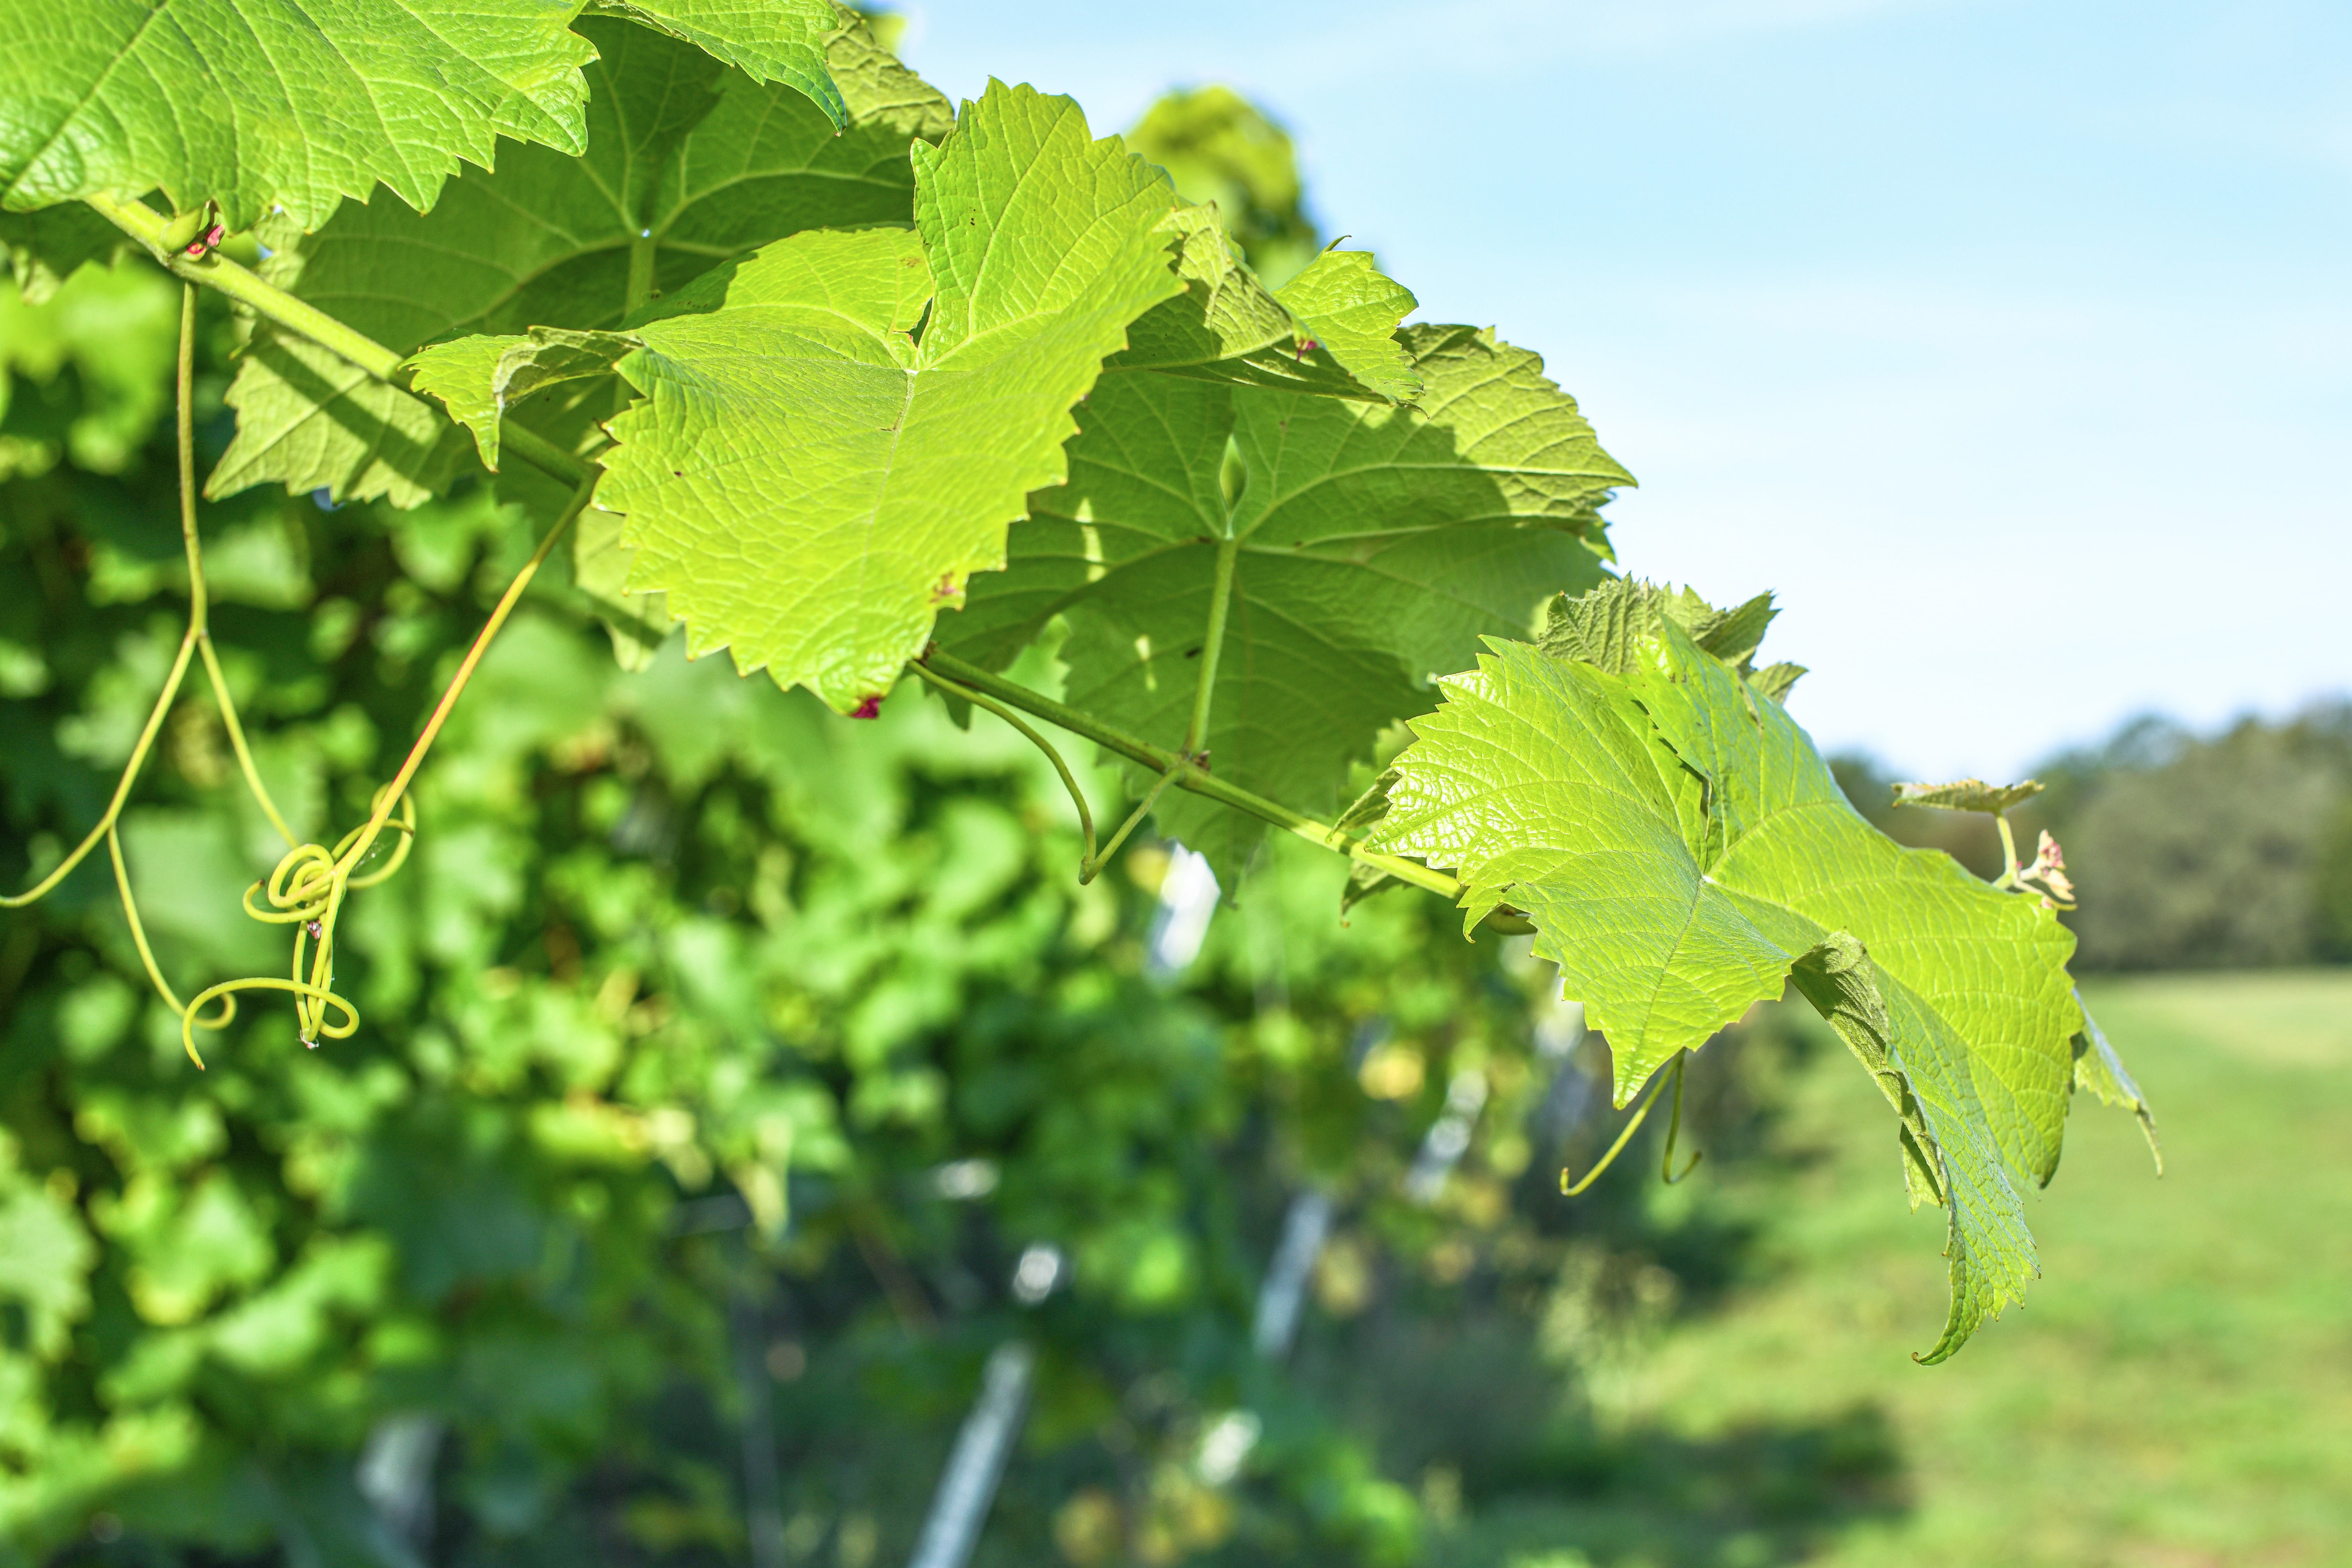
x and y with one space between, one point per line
2177 1393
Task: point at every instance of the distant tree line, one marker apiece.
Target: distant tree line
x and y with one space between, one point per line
2233 850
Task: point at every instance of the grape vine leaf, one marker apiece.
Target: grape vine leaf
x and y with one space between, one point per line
767 40
810 480
2099 1070
291 102
701 161
1968 795
638 624
1228 327
1682 848
1777 680
477 377
1373 546
45 247
1614 626
1348 309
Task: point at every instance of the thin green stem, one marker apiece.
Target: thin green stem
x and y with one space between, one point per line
213 270
199 598
236 741
216 271
1666 1172
1623 1138
1221 598
2008 867
1095 863
390 795
1070 780
189 641
1190 775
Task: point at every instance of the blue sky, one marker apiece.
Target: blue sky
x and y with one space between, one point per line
2011 343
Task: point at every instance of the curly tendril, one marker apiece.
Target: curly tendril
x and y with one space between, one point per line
308 886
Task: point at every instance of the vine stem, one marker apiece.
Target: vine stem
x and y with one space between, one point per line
2008 867
213 270
1221 596
1188 774
196 639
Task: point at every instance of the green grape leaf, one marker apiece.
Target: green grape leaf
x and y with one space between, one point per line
1373 546
1968 795
45 247
289 102
1681 847
2099 1070
310 419
767 40
477 377
638 624
1615 624
1989 1254
1227 327
809 481
1352 312
708 161
1777 680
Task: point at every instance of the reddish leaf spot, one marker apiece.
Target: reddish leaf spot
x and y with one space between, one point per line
946 588
870 708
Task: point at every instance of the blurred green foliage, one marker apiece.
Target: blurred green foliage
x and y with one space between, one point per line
719 1060
1220 147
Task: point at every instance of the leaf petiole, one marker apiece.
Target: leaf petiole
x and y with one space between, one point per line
1221 596
1189 774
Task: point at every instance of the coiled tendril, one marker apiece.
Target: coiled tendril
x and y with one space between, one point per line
308 886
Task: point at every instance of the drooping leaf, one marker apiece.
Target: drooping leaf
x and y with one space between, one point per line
1968 795
1352 311
2099 1070
292 102
687 165
1681 847
1374 545
1988 1253
767 40
478 377
809 483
